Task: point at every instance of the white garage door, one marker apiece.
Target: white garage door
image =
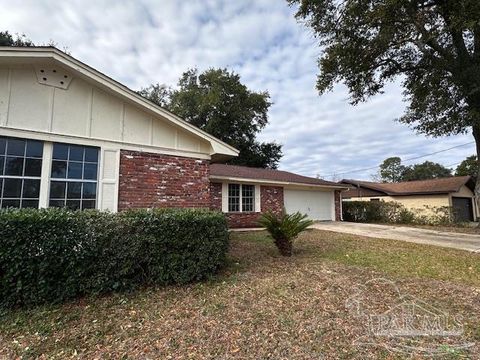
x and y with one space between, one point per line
318 205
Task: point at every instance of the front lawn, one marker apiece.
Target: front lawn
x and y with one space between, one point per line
264 306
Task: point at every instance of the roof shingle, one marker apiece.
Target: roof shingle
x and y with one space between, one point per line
432 186
245 172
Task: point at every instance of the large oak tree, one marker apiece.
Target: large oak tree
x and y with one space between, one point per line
432 46
218 102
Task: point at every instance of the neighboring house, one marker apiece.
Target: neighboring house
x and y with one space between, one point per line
456 192
71 136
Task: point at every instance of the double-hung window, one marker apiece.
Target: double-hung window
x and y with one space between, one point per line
74 176
241 198
20 172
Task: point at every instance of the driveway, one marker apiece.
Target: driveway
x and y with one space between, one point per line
421 236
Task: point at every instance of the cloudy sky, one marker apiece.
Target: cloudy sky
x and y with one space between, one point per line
143 42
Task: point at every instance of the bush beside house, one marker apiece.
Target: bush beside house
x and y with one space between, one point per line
51 255
391 212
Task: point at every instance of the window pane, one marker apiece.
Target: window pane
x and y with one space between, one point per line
76 153
91 154
31 188
73 204
57 190
74 170
60 151
10 203
16 147
33 167
233 197
88 204
12 188
3 145
74 190
34 149
2 163
30 204
89 190
14 166
56 203
59 169
90 171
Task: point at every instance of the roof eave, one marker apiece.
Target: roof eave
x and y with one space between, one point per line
275 182
218 147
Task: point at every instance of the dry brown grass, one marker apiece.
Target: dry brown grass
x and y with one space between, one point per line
262 306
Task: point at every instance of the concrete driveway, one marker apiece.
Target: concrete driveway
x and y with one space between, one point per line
422 236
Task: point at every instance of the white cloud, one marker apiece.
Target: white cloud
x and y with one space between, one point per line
140 42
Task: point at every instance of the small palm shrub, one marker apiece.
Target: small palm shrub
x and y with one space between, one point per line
284 228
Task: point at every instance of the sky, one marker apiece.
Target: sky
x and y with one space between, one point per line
142 42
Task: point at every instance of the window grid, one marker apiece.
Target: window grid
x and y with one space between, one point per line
241 198
74 189
23 181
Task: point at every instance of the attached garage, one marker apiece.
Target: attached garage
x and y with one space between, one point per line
243 193
318 205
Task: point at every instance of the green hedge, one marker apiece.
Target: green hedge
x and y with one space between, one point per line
51 255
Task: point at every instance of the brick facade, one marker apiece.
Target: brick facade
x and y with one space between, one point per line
271 198
150 180
338 205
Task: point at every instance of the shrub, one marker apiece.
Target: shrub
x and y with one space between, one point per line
284 228
51 255
395 213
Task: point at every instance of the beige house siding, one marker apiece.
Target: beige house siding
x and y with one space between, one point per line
413 202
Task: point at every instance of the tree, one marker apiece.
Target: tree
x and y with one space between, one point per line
425 171
217 102
156 93
468 167
433 46
391 170
7 39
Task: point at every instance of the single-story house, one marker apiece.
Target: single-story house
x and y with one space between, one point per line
455 192
71 136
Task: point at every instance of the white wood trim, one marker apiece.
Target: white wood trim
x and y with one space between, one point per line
111 85
82 140
224 197
258 201
45 175
274 182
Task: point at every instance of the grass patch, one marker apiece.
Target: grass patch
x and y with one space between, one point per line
261 305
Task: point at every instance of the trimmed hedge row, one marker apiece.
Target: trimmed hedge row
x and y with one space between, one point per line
51 255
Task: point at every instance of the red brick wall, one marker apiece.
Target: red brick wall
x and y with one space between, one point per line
271 198
155 180
338 206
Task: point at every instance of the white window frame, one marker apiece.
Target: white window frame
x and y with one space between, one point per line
225 198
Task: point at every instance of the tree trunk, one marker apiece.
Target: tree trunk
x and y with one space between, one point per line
285 247
476 135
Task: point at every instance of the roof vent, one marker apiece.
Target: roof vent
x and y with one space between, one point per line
53 76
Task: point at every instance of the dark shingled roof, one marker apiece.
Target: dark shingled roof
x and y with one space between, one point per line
433 186
245 172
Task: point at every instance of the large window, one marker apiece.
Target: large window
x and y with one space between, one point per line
241 197
73 180
20 172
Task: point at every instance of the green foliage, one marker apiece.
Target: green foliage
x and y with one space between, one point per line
432 46
468 167
51 255
284 228
217 102
7 39
392 170
424 171
391 212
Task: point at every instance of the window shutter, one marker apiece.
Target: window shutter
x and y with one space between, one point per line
224 197
258 206
108 189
